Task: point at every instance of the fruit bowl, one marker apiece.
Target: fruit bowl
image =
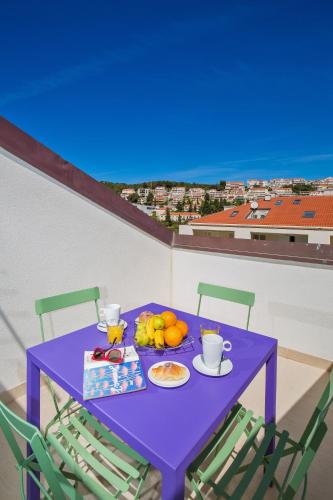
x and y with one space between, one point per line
185 345
159 333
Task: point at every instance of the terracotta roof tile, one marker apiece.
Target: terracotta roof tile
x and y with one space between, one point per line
286 213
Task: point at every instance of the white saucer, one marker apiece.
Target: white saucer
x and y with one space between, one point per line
102 325
199 365
168 383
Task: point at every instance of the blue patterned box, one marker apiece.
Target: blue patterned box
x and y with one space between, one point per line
102 378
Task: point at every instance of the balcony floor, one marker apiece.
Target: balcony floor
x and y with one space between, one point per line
299 388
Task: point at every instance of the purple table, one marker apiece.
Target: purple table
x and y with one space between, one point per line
167 426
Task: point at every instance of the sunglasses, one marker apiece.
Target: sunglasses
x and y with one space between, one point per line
112 355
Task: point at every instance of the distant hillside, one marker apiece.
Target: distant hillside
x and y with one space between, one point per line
119 186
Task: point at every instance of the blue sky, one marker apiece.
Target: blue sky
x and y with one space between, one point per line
184 90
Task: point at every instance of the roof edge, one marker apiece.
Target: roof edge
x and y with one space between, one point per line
28 149
269 226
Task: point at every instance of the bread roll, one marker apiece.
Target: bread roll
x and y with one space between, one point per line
169 371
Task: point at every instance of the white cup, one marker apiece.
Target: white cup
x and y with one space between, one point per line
111 313
213 346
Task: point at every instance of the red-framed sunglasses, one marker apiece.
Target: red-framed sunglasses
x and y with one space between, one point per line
112 355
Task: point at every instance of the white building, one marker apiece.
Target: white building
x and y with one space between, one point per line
234 185
177 194
280 182
196 195
160 194
214 194
126 193
307 219
257 183
256 193
143 194
283 191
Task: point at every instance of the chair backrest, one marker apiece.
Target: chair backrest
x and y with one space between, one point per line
64 300
310 441
230 294
12 424
319 414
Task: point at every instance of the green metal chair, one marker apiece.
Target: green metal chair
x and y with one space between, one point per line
50 304
85 459
229 294
54 303
240 431
39 461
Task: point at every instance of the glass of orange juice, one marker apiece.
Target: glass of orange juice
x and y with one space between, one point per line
115 333
209 330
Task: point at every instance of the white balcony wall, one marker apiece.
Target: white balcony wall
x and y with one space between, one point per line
54 241
293 301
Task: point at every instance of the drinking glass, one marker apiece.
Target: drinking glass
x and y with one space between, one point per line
115 333
209 330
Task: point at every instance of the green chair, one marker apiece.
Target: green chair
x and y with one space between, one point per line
240 432
54 303
85 459
50 304
229 294
39 461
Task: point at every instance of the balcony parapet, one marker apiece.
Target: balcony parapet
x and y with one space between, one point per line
279 250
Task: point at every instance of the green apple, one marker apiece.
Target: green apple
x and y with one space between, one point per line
158 323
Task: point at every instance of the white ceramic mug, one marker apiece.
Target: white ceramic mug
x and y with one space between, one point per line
111 313
213 346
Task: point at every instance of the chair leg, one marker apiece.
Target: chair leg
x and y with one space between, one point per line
305 486
23 497
141 482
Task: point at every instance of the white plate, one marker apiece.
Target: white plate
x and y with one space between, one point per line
102 325
168 383
199 365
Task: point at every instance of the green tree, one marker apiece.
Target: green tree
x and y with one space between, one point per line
216 205
167 217
150 198
206 208
179 219
190 207
133 198
297 188
221 186
180 206
238 202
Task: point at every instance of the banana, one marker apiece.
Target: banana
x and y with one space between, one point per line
159 339
150 331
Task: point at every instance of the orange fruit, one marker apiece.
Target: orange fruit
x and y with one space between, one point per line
182 325
173 336
169 318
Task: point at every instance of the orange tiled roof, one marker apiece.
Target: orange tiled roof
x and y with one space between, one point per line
284 214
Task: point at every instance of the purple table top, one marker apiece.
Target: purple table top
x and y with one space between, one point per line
167 426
